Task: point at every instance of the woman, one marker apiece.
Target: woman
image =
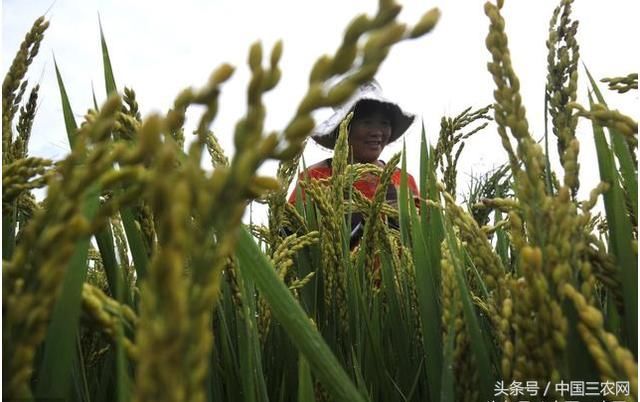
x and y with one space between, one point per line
376 122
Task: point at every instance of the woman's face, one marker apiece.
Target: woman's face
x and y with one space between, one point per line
368 136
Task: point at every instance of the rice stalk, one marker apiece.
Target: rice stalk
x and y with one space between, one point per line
561 88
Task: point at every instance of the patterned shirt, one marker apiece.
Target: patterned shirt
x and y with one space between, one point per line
366 185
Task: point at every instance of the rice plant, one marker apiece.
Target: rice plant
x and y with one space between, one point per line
135 278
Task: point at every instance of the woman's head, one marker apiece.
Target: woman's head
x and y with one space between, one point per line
368 98
370 130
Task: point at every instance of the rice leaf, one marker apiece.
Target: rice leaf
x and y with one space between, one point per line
577 358
109 80
55 368
247 378
69 120
612 321
104 240
428 305
396 323
432 225
424 174
225 364
79 372
305 382
403 212
628 170
93 97
447 388
136 244
139 253
479 345
287 311
620 236
416 381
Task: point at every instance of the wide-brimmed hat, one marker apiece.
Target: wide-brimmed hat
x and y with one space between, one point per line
326 132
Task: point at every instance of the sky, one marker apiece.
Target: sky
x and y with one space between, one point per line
160 47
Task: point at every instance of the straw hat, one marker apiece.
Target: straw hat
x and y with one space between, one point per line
326 132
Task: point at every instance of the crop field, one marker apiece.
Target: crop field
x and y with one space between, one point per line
134 277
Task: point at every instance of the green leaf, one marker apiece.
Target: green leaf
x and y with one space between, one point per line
305 382
109 80
447 389
395 323
136 244
424 174
479 345
104 240
93 97
69 121
55 368
139 253
432 225
620 236
577 359
628 169
247 363
427 289
404 197
255 266
79 373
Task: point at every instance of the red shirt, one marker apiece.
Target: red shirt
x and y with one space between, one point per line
366 185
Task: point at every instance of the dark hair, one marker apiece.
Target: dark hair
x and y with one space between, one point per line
367 107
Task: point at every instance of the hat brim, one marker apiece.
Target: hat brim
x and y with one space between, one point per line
326 133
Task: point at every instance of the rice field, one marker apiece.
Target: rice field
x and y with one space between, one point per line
135 278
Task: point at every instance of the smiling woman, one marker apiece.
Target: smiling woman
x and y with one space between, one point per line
370 131
376 122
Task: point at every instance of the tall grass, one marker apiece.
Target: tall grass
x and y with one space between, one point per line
134 279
